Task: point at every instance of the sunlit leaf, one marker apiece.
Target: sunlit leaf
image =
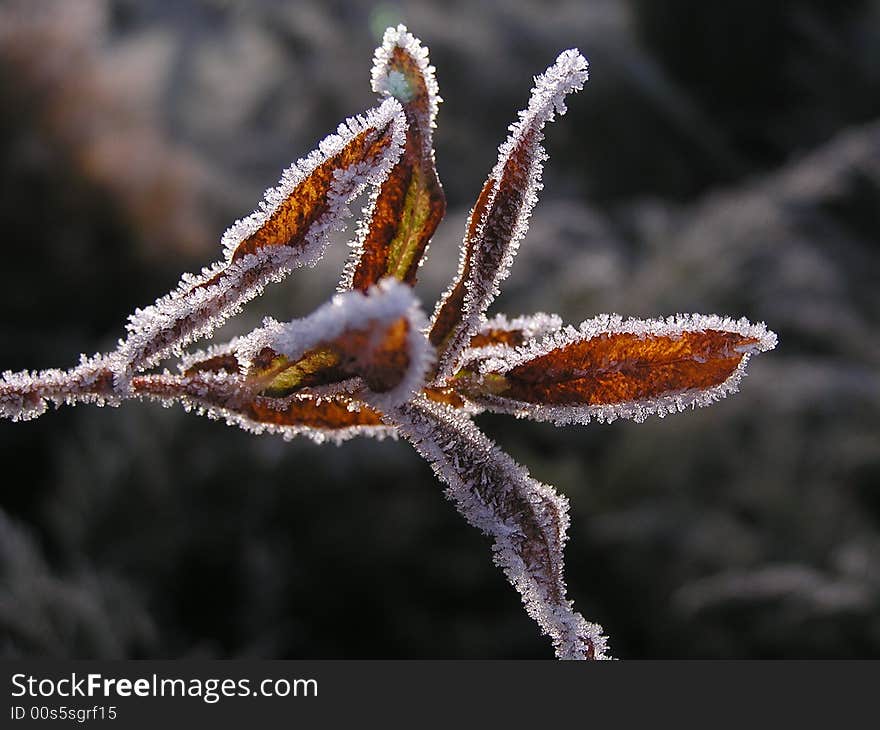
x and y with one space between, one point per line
333 418
405 211
289 229
611 368
376 337
378 353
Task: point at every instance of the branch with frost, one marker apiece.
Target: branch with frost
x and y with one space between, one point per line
290 228
369 363
526 520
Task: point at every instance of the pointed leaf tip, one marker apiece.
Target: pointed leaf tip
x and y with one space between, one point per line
612 368
402 70
499 219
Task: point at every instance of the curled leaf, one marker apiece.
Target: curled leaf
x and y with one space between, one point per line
612 368
526 519
289 229
407 208
376 337
499 219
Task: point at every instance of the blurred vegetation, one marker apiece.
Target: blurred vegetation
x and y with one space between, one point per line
723 158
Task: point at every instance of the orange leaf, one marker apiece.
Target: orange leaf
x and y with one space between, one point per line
375 336
612 368
289 229
290 222
324 413
379 355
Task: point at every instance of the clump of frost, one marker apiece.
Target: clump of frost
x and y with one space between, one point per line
381 306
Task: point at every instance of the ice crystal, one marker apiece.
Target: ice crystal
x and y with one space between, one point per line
368 362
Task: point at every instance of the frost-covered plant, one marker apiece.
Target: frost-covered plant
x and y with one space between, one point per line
370 363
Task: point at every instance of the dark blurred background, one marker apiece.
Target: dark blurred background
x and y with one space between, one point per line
724 158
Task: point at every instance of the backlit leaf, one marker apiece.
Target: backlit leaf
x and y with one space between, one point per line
375 336
408 206
289 229
333 418
611 368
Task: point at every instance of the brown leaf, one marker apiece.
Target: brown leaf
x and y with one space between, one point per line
320 417
289 229
325 413
410 203
631 369
379 355
294 217
613 368
376 337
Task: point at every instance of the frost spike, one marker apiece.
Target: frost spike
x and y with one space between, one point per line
499 219
406 210
289 229
612 368
526 519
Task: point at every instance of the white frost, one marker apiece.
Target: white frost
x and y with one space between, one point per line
526 519
392 83
26 395
496 239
